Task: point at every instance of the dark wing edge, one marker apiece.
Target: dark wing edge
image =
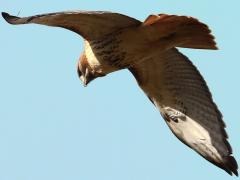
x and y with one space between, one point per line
229 163
141 71
10 19
89 24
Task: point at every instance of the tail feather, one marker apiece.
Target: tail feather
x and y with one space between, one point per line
180 31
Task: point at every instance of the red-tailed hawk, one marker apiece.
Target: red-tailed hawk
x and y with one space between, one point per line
148 49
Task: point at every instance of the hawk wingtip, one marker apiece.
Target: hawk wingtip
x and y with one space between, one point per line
9 18
230 165
5 15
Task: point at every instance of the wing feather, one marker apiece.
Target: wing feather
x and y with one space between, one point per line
89 24
176 87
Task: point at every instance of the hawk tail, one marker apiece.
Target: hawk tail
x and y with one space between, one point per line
179 31
195 34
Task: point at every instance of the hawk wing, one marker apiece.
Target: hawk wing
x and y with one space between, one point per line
177 89
89 24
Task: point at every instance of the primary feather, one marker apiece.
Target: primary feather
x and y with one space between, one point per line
176 87
114 41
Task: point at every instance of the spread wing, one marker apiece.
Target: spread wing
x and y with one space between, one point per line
178 90
89 24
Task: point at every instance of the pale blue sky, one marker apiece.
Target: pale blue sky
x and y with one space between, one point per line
51 127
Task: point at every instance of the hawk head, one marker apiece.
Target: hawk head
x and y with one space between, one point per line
85 72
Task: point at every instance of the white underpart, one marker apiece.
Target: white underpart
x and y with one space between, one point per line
97 63
92 60
192 133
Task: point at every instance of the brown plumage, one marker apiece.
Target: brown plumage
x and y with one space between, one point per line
114 41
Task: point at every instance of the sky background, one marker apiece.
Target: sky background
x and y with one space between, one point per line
51 127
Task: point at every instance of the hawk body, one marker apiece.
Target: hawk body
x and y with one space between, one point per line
113 41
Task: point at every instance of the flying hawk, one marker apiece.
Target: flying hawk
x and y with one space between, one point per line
148 49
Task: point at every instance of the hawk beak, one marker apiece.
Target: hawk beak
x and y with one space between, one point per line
85 83
83 79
